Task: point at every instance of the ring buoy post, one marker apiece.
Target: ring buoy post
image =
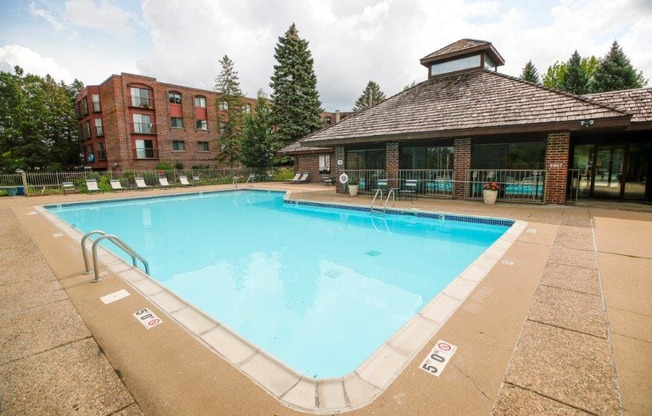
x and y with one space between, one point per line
344 178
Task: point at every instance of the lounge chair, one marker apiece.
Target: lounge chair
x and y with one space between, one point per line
305 178
195 178
116 185
140 183
409 189
163 181
293 180
184 180
91 185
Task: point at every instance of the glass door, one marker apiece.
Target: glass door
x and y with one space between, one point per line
608 171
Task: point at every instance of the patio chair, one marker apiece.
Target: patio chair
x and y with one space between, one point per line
380 184
183 180
327 180
68 187
91 186
409 189
116 185
293 180
163 181
140 182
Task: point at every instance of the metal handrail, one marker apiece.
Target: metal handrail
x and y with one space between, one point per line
378 191
251 180
389 194
115 240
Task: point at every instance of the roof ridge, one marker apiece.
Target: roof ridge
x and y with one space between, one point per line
560 92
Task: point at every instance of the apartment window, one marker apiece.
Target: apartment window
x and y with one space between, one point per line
202 125
223 105
222 127
328 120
96 103
246 108
140 97
99 130
90 156
324 163
178 145
85 106
101 151
174 98
143 124
87 130
144 149
176 122
200 101
202 146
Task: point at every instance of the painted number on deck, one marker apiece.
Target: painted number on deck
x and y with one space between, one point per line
147 318
440 355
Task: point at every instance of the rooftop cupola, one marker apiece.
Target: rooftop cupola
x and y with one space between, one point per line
463 55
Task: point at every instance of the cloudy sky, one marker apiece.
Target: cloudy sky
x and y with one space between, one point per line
352 42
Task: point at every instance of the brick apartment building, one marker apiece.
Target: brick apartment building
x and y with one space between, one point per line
134 122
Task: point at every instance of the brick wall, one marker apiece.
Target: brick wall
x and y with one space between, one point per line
339 169
310 163
557 154
462 149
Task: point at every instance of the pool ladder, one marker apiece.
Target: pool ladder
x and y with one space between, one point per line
115 240
390 194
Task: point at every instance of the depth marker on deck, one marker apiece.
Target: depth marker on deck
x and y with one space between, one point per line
112 297
147 318
439 356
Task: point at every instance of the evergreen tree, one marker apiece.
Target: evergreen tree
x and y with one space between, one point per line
257 144
296 109
615 72
371 96
530 73
230 113
575 80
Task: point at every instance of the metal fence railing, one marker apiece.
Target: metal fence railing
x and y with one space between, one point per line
514 185
38 182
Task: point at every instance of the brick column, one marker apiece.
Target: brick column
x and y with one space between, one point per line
462 152
557 153
391 164
339 169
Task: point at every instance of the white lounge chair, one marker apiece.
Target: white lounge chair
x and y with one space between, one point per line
183 180
91 185
140 183
296 178
116 185
163 181
305 178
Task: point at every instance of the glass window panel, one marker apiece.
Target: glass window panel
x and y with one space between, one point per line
455 65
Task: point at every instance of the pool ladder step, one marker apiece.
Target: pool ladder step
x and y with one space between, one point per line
115 240
390 194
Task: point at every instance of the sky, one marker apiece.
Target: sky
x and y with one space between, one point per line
352 42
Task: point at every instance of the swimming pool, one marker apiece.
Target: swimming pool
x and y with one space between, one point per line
331 285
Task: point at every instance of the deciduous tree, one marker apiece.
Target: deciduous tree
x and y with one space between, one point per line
257 145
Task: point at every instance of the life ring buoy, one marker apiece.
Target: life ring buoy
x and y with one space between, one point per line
344 178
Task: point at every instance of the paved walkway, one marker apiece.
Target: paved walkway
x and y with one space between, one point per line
565 329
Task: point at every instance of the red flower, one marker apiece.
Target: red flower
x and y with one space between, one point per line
492 186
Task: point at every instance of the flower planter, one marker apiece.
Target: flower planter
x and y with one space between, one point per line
489 196
353 190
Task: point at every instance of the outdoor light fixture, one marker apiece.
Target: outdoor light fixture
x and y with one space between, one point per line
586 123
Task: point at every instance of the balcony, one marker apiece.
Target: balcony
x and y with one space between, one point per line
142 128
144 153
141 102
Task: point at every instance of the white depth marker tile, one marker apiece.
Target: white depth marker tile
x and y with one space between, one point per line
112 297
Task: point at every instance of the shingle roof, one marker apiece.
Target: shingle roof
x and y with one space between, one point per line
296 147
638 102
477 102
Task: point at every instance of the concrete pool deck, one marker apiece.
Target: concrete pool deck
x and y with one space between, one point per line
561 326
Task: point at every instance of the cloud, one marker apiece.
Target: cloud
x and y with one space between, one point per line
33 63
37 11
103 16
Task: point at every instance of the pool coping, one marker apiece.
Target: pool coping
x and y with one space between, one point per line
295 390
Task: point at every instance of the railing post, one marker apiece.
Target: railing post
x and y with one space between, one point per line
23 177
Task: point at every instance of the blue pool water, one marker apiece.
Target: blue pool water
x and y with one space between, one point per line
318 288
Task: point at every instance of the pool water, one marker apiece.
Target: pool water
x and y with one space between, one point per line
318 288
